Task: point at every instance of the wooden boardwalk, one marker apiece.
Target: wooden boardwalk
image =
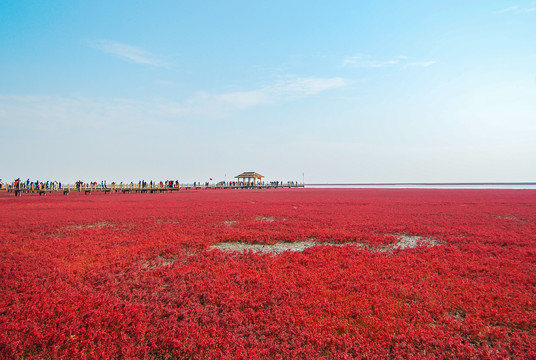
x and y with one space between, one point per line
129 188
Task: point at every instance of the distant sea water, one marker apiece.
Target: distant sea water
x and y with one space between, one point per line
525 185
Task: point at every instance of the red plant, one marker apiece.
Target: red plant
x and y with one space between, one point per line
134 275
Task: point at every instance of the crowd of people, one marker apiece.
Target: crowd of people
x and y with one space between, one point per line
32 185
142 184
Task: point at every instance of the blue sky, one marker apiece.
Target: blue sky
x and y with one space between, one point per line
343 91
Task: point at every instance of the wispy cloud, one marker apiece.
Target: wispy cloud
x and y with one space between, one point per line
422 63
304 86
365 61
368 62
516 9
284 89
127 52
53 112
508 9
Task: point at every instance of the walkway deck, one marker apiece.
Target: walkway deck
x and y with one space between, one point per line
87 190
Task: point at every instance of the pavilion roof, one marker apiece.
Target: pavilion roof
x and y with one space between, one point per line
249 175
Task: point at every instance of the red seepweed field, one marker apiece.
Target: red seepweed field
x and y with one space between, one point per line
394 273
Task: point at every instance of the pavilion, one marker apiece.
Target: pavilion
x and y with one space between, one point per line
249 177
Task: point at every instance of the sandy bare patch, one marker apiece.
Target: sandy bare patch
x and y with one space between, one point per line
230 222
509 218
404 242
276 248
97 225
159 261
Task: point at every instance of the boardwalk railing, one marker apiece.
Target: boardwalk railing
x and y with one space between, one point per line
128 188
